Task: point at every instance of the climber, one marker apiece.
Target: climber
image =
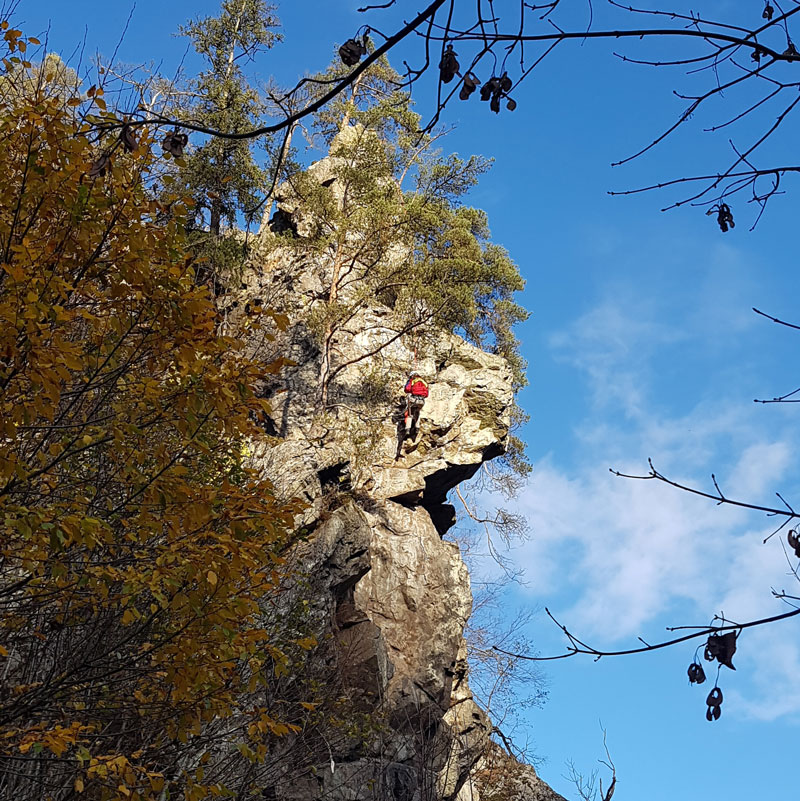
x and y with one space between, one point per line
416 390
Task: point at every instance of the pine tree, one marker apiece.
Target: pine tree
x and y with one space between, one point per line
391 221
223 176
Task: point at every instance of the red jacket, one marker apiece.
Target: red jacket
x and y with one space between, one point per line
418 387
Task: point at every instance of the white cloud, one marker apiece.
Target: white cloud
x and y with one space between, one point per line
761 465
771 660
612 344
615 558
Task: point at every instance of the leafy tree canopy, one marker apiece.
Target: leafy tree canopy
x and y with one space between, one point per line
136 547
223 176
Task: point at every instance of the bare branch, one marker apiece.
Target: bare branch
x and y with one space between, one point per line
579 647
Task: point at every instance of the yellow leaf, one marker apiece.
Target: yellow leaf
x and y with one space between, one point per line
78 785
212 577
3 651
279 729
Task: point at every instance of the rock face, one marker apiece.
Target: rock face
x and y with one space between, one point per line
392 596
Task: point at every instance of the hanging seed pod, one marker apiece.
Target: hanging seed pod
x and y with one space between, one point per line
724 216
128 138
791 52
714 703
768 11
511 104
174 143
351 51
448 66
505 83
710 652
491 87
794 542
696 673
100 165
469 85
494 105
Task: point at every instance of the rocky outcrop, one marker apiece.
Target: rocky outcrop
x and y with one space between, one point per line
498 776
391 596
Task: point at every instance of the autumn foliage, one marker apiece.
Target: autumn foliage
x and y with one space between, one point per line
136 546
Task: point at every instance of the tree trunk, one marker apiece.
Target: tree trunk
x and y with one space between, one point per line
215 223
325 366
268 200
353 95
232 51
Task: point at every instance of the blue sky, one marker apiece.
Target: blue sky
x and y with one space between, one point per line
642 343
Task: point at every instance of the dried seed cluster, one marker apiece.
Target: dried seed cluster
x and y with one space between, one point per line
719 647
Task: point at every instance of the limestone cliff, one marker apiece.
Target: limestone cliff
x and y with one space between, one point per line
391 595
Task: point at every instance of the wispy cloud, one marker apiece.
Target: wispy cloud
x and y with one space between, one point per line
613 345
617 557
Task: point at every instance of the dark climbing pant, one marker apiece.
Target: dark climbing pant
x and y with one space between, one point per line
413 408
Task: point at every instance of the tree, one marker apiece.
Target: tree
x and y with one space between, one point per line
222 175
389 219
137 547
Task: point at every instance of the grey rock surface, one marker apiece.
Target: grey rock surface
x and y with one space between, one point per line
497 775
391 595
